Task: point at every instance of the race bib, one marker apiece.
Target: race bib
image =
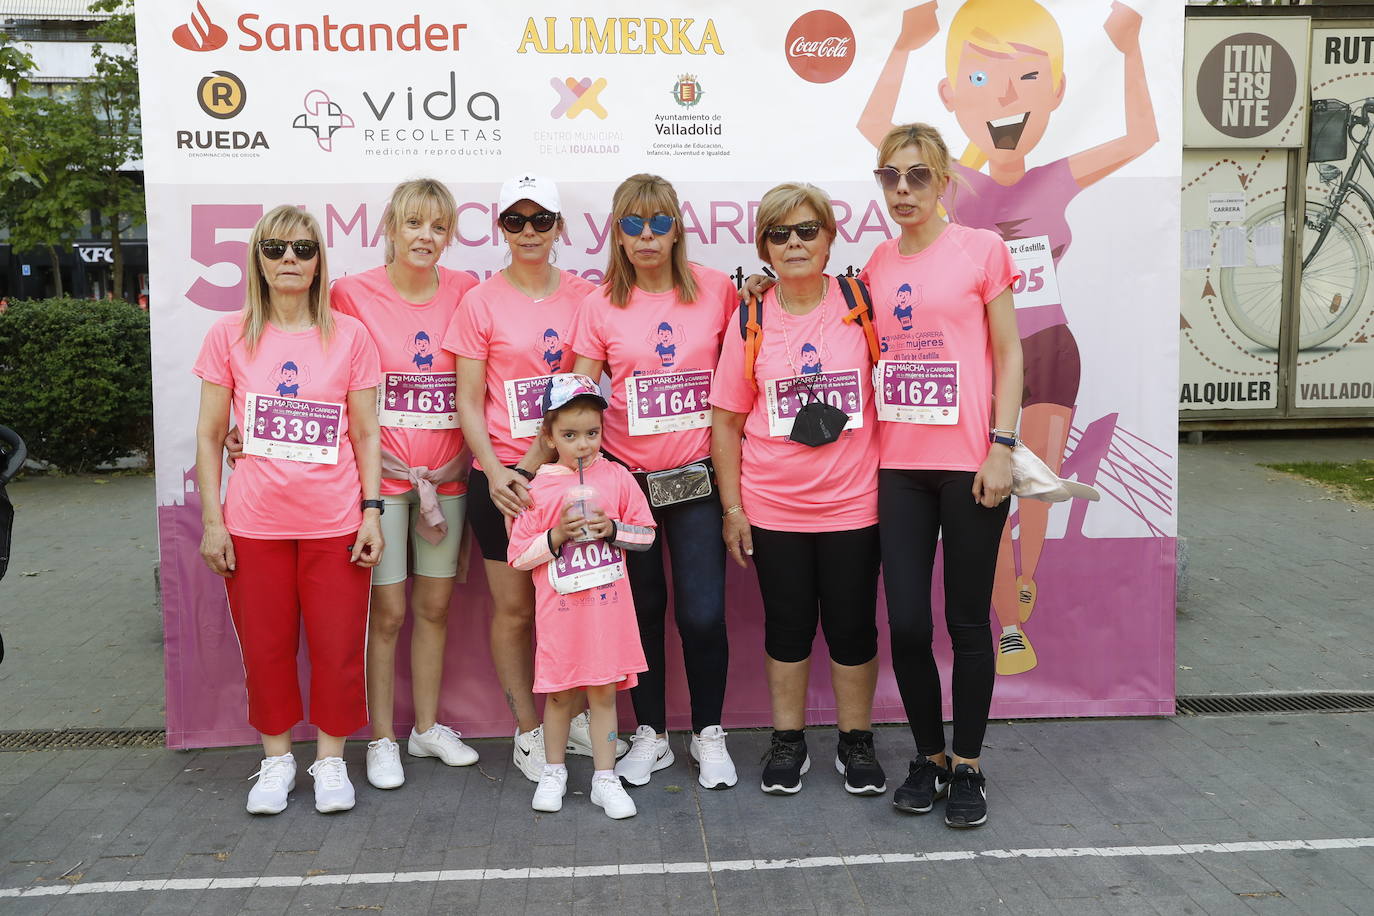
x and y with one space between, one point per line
292 429
525 404
785 396
417 400
917 391
668 402
580 566
1035 282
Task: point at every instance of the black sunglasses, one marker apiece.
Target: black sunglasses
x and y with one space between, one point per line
274 249
515 222
659 224
917 177
779 235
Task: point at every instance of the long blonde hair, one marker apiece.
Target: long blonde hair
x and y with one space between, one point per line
418 197
647 194
1002 27
277 222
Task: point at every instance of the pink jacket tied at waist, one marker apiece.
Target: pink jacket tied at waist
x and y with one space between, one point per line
431 525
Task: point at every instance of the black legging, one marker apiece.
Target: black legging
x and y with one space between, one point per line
914 508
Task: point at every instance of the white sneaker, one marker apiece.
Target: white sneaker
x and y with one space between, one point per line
333 791
580 738
610 796
708 750
553 785
276 776
529 753
442 742
384 764
648 754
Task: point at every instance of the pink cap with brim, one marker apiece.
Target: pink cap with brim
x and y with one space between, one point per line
567 386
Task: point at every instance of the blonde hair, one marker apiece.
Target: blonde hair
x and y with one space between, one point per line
277 222
416 198
646 195
782 200
931 145
1002 27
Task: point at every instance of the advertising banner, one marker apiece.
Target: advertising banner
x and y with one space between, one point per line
1245 79
1060 115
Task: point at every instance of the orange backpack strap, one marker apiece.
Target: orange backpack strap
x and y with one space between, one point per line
861 310
751 332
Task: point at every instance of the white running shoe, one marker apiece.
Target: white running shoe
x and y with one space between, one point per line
384 764
708 750
333 791
276 777
580 738
648 754
553 785
442 742
610 796
529 753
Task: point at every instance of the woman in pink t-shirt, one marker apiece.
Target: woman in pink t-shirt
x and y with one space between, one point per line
300 527
656 327
407 305
804 506
509 338
948 391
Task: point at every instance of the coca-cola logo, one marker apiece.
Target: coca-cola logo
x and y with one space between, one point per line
820 46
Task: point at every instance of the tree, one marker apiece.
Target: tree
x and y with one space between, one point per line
15 66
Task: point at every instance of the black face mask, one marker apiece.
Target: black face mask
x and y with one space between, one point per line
818 423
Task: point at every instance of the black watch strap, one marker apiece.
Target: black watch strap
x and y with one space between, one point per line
524 473
375 504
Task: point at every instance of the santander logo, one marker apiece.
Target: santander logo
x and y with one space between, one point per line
200 34
820 46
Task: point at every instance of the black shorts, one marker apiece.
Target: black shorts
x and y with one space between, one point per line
487 521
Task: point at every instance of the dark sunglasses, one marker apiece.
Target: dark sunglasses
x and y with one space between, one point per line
659 224
779 235
515 222
274 249
917 177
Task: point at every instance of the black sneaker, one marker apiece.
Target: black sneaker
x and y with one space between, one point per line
967 805
925 782
785 763
858 762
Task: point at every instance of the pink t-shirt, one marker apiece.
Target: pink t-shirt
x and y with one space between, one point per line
787 486
522 342
591 636
278 498
933 306
655 334
408 336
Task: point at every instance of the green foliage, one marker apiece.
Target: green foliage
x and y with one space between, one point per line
15 67
1354 479
77 380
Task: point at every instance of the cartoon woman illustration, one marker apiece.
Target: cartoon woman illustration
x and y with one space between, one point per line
289 378
421 350
903 307
1004 76
552 351
665 340
810 359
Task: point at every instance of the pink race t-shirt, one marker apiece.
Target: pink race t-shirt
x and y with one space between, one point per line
523 342
279 498
932 306
416 372
656 335
787 486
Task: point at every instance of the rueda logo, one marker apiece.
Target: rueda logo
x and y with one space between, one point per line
323 117
221 95
200 34
820 46
577 96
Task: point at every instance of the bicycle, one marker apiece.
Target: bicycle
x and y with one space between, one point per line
1336 258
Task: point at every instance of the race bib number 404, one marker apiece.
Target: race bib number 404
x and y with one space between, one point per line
668 402
580 566
292 429
785 396
418 400
917 391
1035 282
525 404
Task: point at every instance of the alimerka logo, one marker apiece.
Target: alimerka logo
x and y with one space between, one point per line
200 34
577 96
585 35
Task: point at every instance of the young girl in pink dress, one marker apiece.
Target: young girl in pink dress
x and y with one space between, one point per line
586 511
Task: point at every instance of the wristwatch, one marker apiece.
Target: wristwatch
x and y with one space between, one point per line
374 504
1005 437
523 473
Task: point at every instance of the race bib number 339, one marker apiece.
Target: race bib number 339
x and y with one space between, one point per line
417 400
668 402
917 391
292 429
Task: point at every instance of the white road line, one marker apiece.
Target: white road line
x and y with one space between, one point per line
156 885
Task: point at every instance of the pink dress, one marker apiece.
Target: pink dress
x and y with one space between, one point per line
588 637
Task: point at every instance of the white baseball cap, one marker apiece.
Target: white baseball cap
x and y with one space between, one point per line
1032 478
537 188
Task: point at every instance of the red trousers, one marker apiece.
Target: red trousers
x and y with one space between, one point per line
276 584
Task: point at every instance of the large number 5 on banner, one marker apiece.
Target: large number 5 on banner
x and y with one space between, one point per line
206 249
